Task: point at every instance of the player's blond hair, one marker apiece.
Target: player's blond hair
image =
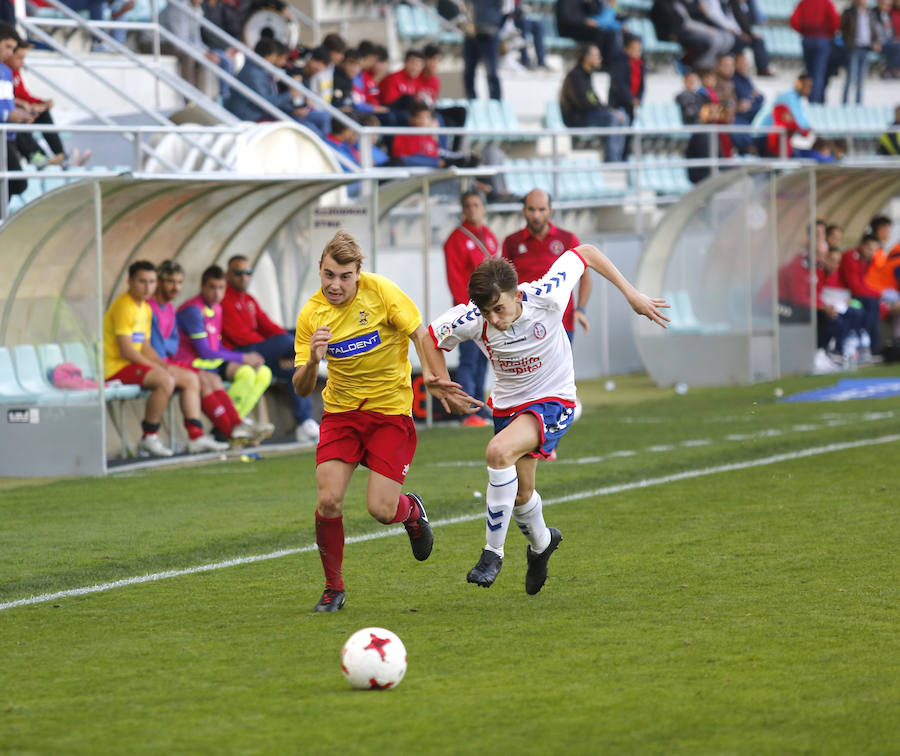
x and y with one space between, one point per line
343 249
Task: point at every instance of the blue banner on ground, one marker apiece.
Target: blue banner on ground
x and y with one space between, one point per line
850 388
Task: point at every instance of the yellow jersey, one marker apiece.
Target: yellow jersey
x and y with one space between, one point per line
368 354
125 317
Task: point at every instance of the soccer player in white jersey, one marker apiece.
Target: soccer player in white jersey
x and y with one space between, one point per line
519 328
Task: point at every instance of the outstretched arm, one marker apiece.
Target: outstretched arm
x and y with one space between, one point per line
436 378
649 307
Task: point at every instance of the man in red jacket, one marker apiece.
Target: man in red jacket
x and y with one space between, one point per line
470 244
817 21
852 274
247 328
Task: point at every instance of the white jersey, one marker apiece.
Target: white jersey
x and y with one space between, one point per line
532 359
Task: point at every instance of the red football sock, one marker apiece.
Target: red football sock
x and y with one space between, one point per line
330 540
406 508
229 406
215 411
193 427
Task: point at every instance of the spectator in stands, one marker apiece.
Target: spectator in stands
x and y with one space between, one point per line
424 149
626 78
185 25
743 14
129 357
468 245
789 112
535 248
482 45
379 156
39 110
213 400
199 322
535 28
429 91
345 96
700 145
94 8
264 84
889 143
373 72
888 37
749 99
342 139
336 46
9 113
248 329
228 15
581 107
817 21
576 19
214 12
691 98
852 273
685 22
860 35
398 90
726 92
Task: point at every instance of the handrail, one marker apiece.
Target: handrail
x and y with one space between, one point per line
46 38
276 72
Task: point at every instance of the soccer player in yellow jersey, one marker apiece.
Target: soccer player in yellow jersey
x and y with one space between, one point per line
364 323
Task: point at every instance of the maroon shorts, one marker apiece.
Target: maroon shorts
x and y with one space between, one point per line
186 364
383 443
133 374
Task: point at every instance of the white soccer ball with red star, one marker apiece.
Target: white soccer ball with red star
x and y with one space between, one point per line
373 658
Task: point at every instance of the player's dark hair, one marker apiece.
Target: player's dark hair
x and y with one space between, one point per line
138 265
367 48
266 47
417 106
879 221
869 238
490 279
414 53
235 258
212 273
169 268
832 227
381 53
334 42
9 32
431 51
470 193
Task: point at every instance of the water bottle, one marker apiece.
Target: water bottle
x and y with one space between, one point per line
851 345
865 348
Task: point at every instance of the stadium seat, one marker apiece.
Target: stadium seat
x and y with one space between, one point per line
10 390
35 380
77 353
643 28
553 116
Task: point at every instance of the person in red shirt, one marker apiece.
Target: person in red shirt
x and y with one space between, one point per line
817 21
417 149
374 68
470 244
852 273
401 88
535 248
247 328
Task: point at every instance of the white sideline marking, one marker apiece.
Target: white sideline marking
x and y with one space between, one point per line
606 491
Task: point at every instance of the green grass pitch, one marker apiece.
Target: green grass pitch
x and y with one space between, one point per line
745 601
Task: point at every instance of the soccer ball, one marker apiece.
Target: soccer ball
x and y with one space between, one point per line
373 658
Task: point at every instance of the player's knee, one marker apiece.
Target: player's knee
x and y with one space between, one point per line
383 511
191 382
330 505
497 455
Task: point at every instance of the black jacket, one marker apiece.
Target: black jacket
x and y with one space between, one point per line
577 97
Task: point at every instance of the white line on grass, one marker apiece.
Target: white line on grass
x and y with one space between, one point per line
606 491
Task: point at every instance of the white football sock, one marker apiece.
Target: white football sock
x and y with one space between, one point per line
530 519
501 498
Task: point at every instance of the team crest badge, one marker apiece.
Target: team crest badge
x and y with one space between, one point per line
444 331
557 247
522 249
363 317
539 330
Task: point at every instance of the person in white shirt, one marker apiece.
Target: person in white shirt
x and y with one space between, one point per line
519 328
